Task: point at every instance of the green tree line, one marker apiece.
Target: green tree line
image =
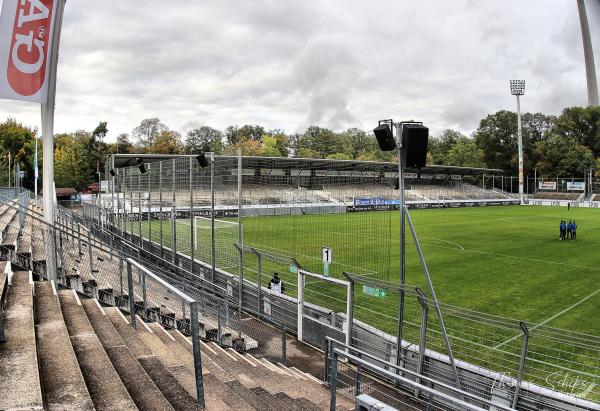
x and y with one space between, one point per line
556 146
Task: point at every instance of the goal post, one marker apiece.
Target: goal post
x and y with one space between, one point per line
202 228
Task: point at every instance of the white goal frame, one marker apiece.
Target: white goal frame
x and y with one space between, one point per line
217 221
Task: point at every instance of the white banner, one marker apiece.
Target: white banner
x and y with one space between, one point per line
25 37
576 185
547 185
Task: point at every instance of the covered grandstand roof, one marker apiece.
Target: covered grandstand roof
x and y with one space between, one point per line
127 160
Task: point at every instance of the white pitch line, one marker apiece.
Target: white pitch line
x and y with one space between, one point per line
514 257
547 320
460 247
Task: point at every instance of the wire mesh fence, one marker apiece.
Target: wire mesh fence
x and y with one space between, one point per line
168 211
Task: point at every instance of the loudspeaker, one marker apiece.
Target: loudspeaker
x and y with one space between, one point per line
201 158
112 172
414 144
141 165
384 137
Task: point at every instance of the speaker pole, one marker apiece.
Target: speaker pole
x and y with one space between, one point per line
400 151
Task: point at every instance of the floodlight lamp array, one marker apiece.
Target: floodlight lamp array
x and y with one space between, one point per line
517 87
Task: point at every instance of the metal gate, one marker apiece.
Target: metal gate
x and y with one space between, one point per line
323 322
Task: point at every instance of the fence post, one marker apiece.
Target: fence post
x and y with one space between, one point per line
213 247
121 270
333 380
131 295
197 353
357 381
423 334
283 345
144 294
259 281
160 205
523 326
219 326
326 362
79 238
91 257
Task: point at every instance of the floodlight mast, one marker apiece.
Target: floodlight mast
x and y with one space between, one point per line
517 88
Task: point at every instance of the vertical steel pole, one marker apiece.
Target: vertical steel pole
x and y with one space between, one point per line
192 219
333 380
588 54
160 199
300 303
399 330
524 347
131 294
240 234
213 247
140 217
149 210
197 353
423 334
259 288
174 217
144 293
349 313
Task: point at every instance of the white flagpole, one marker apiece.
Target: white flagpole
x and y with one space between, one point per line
48 142
35 172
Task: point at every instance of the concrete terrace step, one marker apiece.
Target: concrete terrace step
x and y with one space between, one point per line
164 369
62 383
181 366
103 382
142 389
251 397
19 378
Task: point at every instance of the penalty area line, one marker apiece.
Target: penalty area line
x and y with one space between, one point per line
547 320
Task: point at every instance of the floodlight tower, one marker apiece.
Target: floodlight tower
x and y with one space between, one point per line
517 88
588 54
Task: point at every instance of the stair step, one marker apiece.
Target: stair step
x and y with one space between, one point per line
105 386
62 383
250 397
230 397
19 378
142 389
159 371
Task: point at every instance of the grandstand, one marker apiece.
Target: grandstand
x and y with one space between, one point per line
283 182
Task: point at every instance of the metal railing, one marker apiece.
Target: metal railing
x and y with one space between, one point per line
346 367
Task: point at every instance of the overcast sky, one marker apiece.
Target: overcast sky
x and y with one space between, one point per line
289 64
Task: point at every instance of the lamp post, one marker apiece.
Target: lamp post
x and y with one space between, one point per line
517 88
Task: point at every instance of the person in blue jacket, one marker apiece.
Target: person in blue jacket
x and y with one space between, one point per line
563 230
569 229
573 230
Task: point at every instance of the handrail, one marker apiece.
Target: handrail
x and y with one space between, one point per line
461 403
407 371
181 294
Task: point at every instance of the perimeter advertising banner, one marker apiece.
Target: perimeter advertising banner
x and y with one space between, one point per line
576 186
26 29
547 185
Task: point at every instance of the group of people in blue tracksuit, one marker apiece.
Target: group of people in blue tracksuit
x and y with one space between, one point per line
568 230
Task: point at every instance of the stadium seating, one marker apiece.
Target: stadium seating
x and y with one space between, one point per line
551 195
66 351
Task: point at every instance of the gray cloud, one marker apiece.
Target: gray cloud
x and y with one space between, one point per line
337 64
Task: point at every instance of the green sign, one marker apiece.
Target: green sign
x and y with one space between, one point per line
374 291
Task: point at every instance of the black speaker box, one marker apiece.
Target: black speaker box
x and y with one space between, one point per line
384 137
414 144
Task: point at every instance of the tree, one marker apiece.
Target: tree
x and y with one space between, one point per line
440 146
204 139
249 148
464 153
231 135
563 157
124 146
269 147
148 131
581 125
72 165
167 142
19 141
321 141
248 132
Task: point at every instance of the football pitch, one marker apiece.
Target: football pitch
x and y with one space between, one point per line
506 261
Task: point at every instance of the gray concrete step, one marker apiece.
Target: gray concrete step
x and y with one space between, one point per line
62 383
250 397
181 366
20 385
160 369
142 389
106 388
